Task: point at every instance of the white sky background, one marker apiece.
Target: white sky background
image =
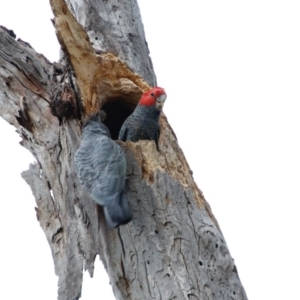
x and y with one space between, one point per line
231 70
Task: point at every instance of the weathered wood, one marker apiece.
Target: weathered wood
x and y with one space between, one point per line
26 78
173 248
121 22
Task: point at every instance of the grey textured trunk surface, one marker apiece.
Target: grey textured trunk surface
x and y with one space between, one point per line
173 248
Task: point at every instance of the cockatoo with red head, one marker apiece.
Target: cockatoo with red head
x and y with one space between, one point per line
143 123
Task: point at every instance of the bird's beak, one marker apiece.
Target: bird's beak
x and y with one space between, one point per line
160 101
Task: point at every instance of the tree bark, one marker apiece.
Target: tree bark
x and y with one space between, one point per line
173 248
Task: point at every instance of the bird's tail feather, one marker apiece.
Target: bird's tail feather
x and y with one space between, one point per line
117 211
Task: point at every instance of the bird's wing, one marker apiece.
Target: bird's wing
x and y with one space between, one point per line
101 167
156 138
123 132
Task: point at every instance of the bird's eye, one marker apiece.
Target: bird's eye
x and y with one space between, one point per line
152 94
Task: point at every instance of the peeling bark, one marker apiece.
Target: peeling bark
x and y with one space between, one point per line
173 248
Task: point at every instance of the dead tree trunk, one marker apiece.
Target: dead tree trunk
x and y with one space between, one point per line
173 248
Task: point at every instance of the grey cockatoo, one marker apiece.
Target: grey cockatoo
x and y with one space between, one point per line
143 123
101 168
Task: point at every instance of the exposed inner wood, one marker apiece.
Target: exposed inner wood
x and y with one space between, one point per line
99 76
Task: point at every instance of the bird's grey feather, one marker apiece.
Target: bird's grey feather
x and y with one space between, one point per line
142 124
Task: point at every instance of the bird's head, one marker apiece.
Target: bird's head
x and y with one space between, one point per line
94 123
154 97
99 116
